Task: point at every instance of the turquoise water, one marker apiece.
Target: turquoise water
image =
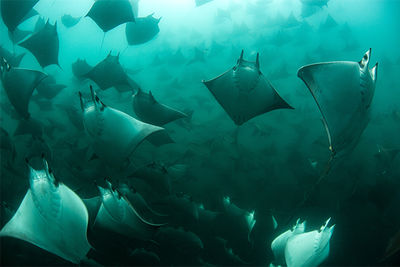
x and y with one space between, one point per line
275 164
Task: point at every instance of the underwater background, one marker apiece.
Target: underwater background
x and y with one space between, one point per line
265 170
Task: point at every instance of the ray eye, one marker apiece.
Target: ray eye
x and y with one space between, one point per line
365 57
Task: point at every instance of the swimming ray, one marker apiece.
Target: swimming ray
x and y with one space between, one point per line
109 73
115 134
18 35
74 115
29 126
156 176
80 68
48 88
13 59
180 208
243 221
43 104
44 45
149 110
92 205
343 91
117 214
39 25
199 56
15 12
206 218
52 217
244 92
142 30
19 84
37 148
69 21
279 243
108 14
310 248
140 204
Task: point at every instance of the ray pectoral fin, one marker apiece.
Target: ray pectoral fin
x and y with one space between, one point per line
108 14
244 93
160 137
207 82
152 97
44 45
281 103
305 74
52 217
374 72
19 85
325 123
65 238
149 224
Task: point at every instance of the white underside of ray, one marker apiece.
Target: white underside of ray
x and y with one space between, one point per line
115 134
117 214
278 244
338 90
57 225
308 249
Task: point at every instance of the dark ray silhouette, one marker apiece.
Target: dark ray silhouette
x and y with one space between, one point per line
142 30
19 85
15 12
244 92
109 73
44 45
149 110
108 14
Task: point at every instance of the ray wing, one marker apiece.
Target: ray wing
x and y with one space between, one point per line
44 45
53 218
108 14
15 12
341 98
19 85
244 98
151 111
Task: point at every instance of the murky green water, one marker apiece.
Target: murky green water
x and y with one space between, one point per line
161 165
